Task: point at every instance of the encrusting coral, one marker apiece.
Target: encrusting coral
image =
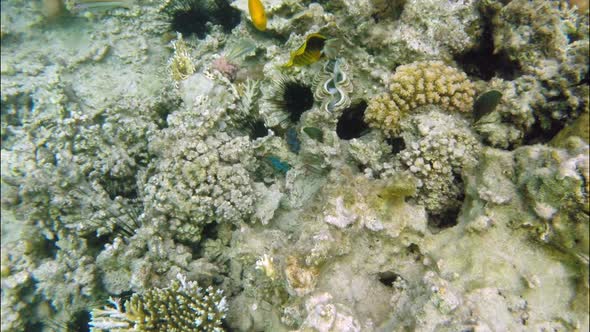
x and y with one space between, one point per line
184 306
418 84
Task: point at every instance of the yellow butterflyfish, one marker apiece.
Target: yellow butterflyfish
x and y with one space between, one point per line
257 14
309 52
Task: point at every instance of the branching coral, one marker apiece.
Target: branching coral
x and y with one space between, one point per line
184 306
418 84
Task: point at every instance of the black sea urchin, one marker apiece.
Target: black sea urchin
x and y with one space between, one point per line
191 16
351 123
292 97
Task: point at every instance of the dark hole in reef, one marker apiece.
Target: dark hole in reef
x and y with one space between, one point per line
33 327
79 322
446 219
48 248
414 250
225 15
296 98
388 9
210 230
125 296
449 217
191 16
162 111
97 243
388 278
482 61
537 134
116 186
351 123
546 127
397 144
361 167
258 129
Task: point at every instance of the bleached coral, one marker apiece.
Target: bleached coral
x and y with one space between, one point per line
418 84
356 201
509 122
420 29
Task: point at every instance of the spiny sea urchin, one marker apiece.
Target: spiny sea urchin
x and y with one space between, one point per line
191 16
292 97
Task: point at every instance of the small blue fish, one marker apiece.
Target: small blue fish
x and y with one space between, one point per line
278 165
292 140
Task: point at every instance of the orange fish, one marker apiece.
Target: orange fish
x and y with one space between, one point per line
257 14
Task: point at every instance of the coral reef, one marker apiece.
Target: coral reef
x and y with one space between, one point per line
548 43
423 165
418 84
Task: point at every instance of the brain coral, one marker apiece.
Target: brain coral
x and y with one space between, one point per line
418 84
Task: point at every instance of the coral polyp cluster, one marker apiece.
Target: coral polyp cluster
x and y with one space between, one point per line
418 84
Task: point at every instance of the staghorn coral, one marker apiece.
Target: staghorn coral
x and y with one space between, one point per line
184 306
418 84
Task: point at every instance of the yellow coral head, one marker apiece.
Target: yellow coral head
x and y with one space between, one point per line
257 14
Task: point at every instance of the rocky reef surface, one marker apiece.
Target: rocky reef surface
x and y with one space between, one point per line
422 166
